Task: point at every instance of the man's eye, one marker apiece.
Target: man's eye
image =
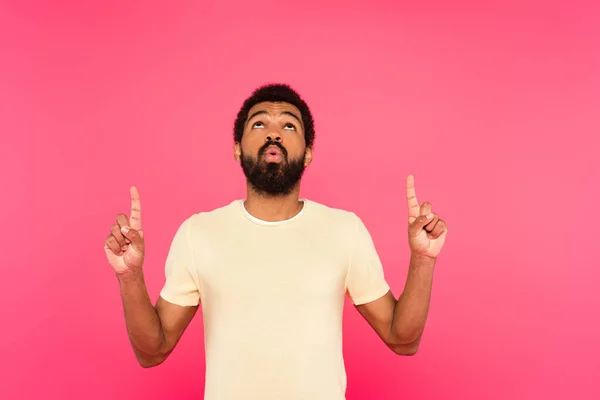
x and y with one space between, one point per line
258 125
290 126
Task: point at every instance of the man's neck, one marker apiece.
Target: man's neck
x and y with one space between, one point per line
272 208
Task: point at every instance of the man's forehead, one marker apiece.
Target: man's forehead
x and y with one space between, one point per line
274 108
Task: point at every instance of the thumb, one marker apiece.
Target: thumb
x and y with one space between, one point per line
419 223
134 236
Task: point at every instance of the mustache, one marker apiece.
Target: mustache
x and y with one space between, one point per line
264 148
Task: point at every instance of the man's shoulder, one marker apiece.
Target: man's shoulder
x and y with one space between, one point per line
219 212
332 213
214 216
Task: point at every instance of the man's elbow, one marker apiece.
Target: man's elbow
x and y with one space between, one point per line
406 349
149 361
145 363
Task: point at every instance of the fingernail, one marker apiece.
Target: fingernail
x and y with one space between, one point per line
430 215
125 229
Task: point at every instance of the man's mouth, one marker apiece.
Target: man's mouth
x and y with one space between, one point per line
273 154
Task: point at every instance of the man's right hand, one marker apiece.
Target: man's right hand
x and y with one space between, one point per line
124 246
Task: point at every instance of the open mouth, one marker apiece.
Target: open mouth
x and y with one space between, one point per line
273 154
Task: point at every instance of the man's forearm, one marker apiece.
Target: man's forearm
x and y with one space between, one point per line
410 312
142 321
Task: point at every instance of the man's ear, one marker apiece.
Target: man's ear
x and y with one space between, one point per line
237 151
308 155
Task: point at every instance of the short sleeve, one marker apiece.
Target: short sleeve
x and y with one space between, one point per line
180 286
365 281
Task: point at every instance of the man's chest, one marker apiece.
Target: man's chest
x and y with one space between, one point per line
273 264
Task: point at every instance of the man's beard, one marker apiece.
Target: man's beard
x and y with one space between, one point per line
276 179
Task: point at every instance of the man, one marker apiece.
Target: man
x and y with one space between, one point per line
271 271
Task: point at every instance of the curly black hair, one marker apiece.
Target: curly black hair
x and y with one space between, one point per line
275 92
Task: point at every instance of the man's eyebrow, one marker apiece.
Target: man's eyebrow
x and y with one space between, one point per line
255 114
291 114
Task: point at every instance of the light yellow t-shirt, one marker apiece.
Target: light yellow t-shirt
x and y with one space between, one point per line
272 296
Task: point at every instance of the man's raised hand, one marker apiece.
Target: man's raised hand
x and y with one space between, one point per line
426 231
124 246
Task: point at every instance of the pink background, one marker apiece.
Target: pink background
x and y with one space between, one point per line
494 108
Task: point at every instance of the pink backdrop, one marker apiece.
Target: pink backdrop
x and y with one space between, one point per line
494 108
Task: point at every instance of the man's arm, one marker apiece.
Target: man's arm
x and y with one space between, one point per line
153 331
400 323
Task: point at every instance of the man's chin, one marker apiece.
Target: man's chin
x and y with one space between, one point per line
272 178
271 167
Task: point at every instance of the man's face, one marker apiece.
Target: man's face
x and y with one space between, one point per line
273 152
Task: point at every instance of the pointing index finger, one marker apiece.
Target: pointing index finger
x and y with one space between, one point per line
411 199
136 209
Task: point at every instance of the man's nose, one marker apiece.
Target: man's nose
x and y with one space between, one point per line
273 137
